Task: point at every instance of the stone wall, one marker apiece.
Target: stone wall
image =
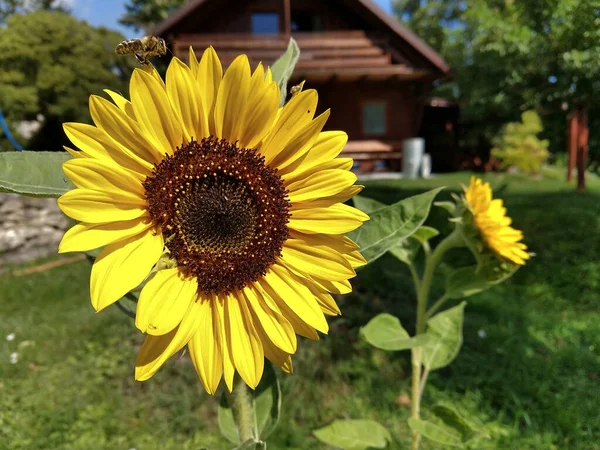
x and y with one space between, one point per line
30 228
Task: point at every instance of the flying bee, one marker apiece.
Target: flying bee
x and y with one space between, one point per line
143 48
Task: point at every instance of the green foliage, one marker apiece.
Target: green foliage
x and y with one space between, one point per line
445 332
283 68
532 379
37 174
509 56
385 332
354 434
145 14
50 63
518 146
10 7
266 399
447 428
391 225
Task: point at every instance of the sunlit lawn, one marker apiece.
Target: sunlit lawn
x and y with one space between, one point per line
529 368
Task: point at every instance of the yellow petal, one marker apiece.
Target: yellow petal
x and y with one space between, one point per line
122 266
276 327
126 132
122 103
329 144
291 155
86 205
184 95
324 202
96 143
193 61
286 288
336 219
244 343
163 302
300 171
274 354
321 184
209 76
231 99
218 311
318 260
88 236
277 304
295 116
157 349
154 113
102 176
204 349
260 110
75 153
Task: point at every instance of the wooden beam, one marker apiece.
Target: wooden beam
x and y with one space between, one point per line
287 19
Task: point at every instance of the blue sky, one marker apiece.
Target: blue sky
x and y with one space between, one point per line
107 12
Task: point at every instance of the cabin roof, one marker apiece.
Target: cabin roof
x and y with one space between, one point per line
368 9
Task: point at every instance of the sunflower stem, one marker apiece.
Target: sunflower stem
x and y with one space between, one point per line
423 286
241 402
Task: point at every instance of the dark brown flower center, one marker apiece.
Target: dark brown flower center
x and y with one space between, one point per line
222 210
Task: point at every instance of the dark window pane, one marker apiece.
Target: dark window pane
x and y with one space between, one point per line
374 118
307 21
265 23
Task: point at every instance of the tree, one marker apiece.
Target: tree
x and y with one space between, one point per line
145 14
510 56
10 7
49 64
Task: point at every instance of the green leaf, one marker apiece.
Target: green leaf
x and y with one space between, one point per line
425 233
354 434
283 68
450 429
448 206
435 432
252 444
226 421
454 420
445 337
266 399
366 204
390 225
36 174
470 280
386 333
407 250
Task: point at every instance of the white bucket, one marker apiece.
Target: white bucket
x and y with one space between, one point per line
412 154
426 165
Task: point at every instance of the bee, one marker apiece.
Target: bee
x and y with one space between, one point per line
295 90
143 48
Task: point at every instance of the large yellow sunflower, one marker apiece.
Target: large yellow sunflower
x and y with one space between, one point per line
493 224
228 206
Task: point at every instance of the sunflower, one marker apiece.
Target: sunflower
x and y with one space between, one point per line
229 208
490 219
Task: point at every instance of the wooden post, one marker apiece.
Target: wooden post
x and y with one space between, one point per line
582 147
571 143
287 19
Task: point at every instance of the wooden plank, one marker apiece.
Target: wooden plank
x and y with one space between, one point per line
380 61
262 43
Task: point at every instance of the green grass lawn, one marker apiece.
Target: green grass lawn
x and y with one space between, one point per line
529 370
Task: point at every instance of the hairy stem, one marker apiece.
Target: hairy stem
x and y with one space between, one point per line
242 405
423 287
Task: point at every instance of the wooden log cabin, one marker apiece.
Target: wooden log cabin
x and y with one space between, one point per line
372 72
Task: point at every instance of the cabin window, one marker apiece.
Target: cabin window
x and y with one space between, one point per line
374 118
306 21
265 23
